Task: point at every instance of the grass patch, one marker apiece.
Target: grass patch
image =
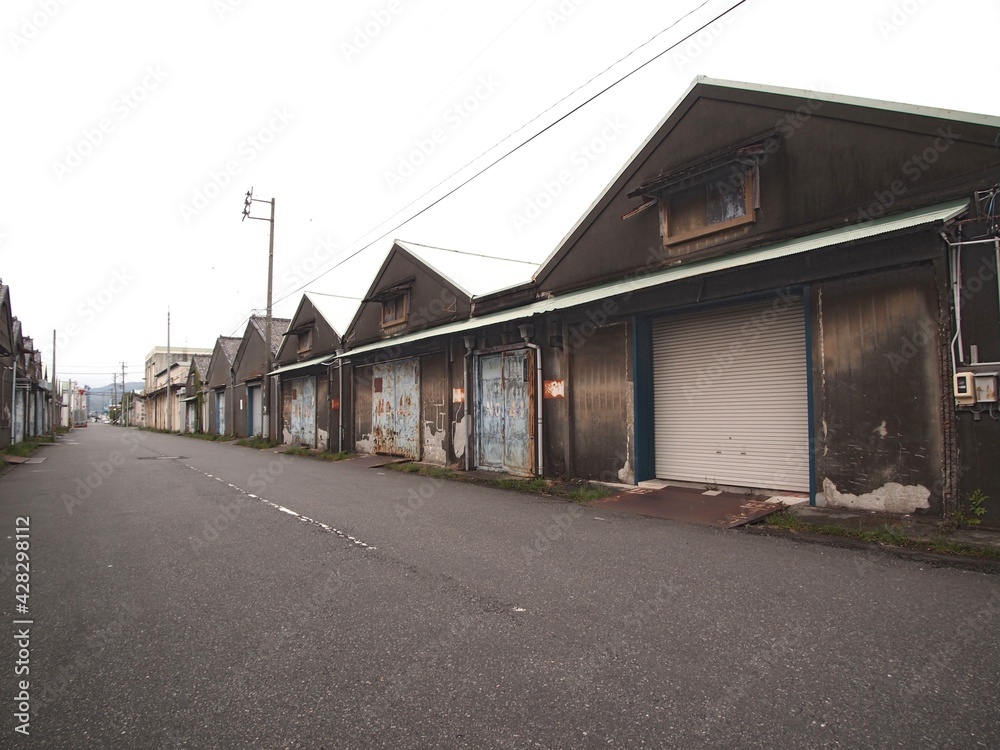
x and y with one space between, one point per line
436 472
205 436
886 535
297 450
338 456
257 442
590 492
24 449
525 485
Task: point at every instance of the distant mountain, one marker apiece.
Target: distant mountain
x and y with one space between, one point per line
99 399
110 387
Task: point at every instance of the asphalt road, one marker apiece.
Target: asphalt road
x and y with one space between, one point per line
212 596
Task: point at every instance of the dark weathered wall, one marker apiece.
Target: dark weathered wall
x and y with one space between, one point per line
435 409
599 391
236 418
325 339
432 301
876 361
362 408
979 426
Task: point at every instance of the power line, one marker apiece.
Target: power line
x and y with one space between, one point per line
575 109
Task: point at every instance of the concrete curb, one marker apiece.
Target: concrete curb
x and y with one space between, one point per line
934 559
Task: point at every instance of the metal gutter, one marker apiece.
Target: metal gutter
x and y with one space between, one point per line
325 360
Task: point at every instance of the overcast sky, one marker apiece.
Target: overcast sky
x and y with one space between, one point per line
131 132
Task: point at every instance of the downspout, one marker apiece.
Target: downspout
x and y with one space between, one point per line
340 401
470 344
13 406
526 331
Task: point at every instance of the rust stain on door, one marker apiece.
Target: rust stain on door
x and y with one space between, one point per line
504 411
396 408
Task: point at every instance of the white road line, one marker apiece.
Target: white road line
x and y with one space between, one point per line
283 509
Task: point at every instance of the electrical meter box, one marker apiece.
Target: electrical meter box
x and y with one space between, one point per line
986 387
965 388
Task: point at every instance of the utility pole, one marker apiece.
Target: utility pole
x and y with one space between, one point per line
121 411
168 369
56 411
266 390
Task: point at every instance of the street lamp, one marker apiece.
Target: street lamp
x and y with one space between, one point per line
266 426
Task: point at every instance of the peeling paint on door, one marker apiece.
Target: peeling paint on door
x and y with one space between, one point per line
396 408
302 411
504 410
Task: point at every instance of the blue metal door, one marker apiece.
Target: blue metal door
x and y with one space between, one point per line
504 408
220 411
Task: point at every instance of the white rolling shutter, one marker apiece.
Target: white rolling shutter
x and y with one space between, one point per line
731 397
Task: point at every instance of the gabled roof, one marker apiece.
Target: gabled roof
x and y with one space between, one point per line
229 345
278 328
324 306
467 275
473 273
841 107
201 363
333 308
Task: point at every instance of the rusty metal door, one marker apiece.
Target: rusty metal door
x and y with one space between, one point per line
302 416
504 399
396 408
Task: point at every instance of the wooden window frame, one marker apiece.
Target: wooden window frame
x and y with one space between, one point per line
304 341
403 301
750 177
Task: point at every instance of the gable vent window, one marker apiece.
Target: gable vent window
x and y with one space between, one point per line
395 309
706 199
305 341
707 203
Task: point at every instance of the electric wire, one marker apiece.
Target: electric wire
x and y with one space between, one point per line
549 126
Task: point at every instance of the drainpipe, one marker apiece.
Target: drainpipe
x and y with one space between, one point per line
13 406
526 330
340 401
470 344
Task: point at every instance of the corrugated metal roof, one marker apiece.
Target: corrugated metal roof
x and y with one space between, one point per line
306 363
335 309
473 273
933 214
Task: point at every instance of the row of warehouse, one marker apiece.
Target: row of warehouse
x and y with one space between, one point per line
26 393
781 290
